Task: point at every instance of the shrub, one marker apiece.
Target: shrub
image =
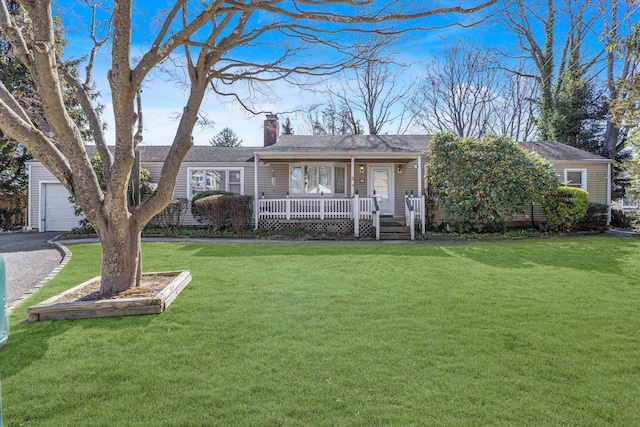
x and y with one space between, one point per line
172 216
220 211
209 211
564 207
198 213
8 218
240 212
484 182
595 219
620 219
634 221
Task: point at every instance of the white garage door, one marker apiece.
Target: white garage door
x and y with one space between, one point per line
58 212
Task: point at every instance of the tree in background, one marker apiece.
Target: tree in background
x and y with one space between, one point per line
287 127
226 138
215 43
626 114
332 120
579 116
17 79
468 92
484 182
372 88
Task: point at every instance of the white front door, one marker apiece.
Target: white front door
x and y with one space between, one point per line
381 179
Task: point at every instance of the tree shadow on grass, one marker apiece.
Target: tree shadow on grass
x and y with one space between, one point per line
226 250
603 254
30 342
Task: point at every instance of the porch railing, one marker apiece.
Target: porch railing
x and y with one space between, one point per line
356 208
410 216
417 204
324 208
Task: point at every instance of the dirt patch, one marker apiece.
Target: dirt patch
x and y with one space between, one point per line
150 286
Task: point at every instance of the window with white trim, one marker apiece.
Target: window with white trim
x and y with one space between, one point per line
317 179
576 178
215 179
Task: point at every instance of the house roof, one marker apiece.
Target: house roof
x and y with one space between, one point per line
197 153
551 150
350 143
376 147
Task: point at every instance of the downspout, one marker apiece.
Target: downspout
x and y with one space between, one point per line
608 194
256 201
29 201
419 176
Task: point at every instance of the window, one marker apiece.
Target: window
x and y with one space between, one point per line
576 178
215 179
317 179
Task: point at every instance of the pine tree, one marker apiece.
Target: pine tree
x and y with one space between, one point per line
287 127
226 138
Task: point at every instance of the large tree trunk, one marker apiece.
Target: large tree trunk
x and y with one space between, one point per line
121 262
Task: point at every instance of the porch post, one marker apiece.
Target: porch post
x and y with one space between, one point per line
356 215
256 201
423 214
353 177
419 174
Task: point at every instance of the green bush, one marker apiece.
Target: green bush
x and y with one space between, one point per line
634 221
595 219
564 207
485 182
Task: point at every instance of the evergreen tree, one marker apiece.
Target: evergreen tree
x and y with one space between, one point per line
578 117
13 155
226 138
287 128
16 78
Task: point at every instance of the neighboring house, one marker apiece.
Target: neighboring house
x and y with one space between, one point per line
325 183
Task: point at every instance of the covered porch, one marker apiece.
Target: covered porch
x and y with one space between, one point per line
353 181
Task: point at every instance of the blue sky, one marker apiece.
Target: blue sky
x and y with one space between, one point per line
163 98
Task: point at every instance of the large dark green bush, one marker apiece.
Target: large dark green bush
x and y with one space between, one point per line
595 219
485 182
564 207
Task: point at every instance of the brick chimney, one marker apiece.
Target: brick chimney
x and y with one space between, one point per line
271 130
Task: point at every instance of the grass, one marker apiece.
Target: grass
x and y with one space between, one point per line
541 332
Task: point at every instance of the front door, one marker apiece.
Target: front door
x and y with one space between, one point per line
382 182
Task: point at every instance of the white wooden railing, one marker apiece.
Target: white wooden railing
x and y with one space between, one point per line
324 208
316 208
410 217
414 209
356 208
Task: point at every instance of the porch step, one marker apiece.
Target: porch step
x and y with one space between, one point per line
394 229
395 236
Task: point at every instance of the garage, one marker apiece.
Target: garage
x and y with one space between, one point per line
57 212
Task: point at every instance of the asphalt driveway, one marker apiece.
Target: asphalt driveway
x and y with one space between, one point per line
28 260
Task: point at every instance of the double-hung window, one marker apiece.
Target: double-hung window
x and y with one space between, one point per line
576 178
206 179
317 179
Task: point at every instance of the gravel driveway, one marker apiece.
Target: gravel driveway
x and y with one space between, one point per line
28 260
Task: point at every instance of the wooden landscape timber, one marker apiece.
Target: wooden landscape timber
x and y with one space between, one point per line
54 309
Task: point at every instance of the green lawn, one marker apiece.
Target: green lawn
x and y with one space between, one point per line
537 332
